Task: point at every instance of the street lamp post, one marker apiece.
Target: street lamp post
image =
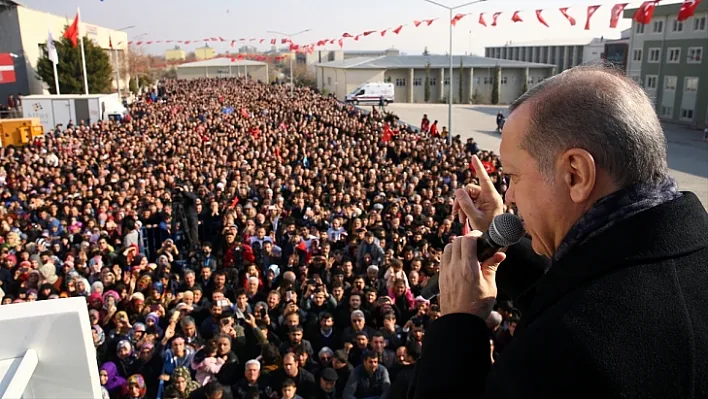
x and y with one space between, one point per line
289 36
449 86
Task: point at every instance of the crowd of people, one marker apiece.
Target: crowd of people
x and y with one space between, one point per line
232 241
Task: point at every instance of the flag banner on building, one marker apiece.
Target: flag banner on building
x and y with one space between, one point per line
7 68
499 19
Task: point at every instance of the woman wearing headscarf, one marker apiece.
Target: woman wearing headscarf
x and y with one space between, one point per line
127 363
135 387
111 380
99 342
182 382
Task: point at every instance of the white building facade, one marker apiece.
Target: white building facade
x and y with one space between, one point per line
23 32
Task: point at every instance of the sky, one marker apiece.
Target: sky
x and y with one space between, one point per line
329 19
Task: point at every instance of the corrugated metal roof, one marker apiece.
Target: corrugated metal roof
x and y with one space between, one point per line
219 62
421 61
552 42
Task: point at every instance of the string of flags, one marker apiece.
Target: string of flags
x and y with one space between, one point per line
643 15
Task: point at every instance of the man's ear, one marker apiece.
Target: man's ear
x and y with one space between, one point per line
578 171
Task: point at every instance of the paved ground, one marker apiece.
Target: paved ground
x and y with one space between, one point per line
688 152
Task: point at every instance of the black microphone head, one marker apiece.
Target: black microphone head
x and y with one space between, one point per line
506 230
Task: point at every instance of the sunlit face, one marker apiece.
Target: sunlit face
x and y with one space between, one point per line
290 365
181 384
104 377
252 372
134 390
539 202
371 364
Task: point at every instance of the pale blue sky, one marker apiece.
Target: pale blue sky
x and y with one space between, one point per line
328 19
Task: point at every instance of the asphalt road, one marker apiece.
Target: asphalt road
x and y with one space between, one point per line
688 152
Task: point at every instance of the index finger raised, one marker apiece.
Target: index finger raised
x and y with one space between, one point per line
484 179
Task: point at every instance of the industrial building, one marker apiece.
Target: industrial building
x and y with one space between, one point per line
22 33
223 67
175 54
473 77
563 53
204 53
667 58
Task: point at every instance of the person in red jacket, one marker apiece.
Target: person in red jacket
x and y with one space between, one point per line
425 124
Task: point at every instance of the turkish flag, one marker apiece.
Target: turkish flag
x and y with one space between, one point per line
72 32
294 47
368 32
540 18
645 12
7 68
272 41
481 19
456 18
494 18
570 19
383 32
398 30
591 11
429 21
341 43
346 34
616 14
284 40
516 17
688 8
417 23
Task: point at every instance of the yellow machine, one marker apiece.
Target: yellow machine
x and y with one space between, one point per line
19 132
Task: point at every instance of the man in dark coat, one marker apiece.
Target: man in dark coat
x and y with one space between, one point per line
621 311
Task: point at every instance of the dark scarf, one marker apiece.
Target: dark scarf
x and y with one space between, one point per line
614 208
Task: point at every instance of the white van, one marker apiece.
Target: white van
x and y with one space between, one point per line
371 93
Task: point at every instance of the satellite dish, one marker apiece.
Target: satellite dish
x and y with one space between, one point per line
47 351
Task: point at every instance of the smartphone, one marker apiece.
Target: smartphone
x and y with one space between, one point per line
222 302
263 312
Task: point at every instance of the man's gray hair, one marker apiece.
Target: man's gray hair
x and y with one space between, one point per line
605 113
187 320
253 362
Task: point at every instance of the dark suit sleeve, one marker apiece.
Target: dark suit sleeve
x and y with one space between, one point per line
456 358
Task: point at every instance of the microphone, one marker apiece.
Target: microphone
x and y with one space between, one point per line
506 230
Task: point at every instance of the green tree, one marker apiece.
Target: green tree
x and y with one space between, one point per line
495 85
427 81
133 85
70 70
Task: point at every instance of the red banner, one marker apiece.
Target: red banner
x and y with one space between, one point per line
7 68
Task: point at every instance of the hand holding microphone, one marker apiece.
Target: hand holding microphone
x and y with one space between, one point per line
466 282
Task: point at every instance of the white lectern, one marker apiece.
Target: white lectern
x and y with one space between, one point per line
47 352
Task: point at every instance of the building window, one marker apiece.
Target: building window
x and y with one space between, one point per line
446 81
673 56
503 80
699 24
417 82
690 84
329 81
650 82
487 80
667 111
433 81
637 55
637 79
639 29
670 82
678 26
400 82
654 55
695 55
686 114
658 27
